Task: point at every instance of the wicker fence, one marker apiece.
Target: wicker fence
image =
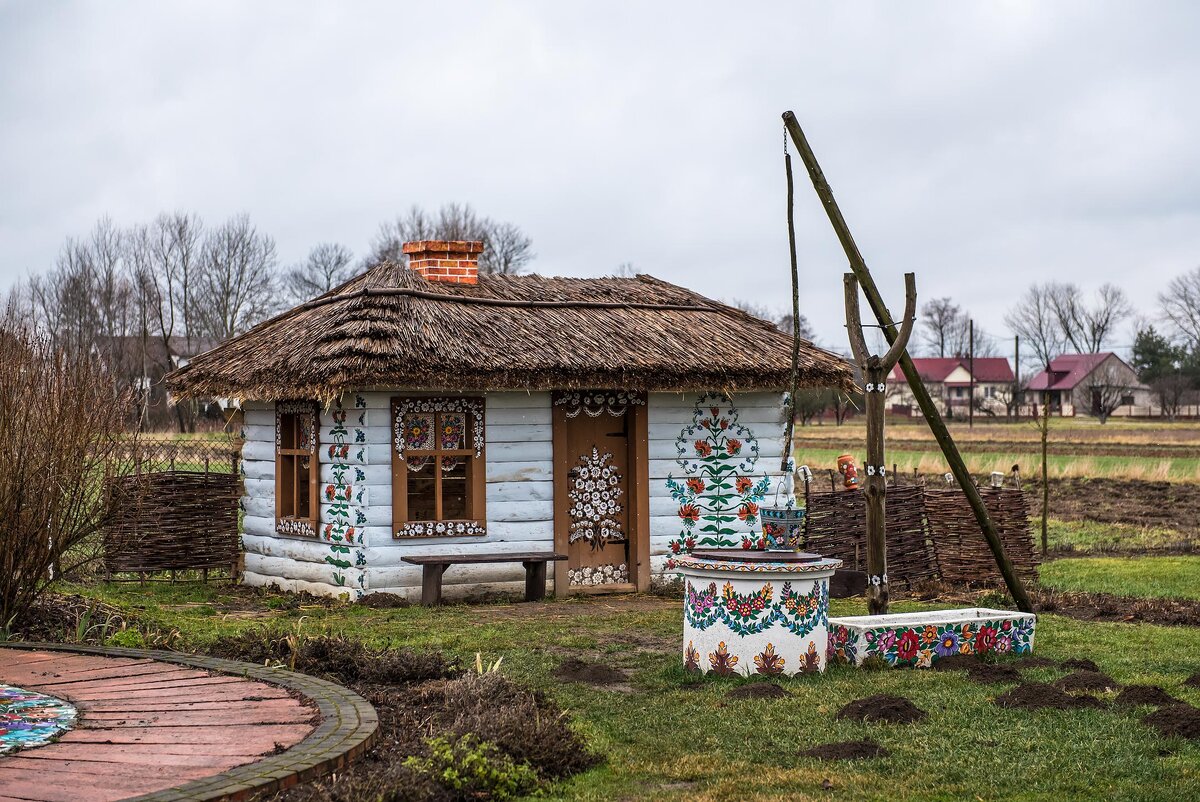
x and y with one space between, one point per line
175 510
930 533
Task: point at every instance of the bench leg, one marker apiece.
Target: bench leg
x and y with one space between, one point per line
535 580
431 583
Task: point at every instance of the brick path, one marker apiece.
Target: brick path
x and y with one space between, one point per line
177 730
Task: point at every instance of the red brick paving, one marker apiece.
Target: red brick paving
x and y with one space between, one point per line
144 726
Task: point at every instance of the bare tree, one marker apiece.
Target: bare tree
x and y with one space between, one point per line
328 265
506 249
1087 327
1180 303
1034 320
944 327
1107 388
237 283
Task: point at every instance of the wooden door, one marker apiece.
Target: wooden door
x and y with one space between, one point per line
601 492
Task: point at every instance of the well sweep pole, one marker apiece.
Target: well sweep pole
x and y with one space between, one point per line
859 266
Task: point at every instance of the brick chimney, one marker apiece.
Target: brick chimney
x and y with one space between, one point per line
437 260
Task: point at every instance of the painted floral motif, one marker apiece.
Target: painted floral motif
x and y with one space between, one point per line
767 662
441 529
595 403
469 408
716 453
343 514
923 645
29 719
749 614
595 509
812 659
691 659
723 663
592 575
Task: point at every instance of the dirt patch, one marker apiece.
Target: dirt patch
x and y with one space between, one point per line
1040 696
1136 695
1106 607
383 601
575 670
1172 505
1193 681
1179 720
846 750
1079 664
883 707
993 672
1087 681
757 690
955 662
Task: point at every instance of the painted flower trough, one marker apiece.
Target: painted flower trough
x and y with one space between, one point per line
755 612
921 639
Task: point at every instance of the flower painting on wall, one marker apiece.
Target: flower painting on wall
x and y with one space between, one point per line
718 496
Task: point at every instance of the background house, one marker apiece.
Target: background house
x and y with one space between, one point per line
949 382
1099 384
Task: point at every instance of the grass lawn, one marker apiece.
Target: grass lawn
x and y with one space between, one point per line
1090 536
662 740
1150 577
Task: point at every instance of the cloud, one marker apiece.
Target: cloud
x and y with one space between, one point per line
982 146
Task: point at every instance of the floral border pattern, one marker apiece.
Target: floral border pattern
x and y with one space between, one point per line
596 575
595 403
921 646
342 515
469 405
441 529
824 564
750 614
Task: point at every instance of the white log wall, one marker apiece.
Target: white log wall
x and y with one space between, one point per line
519 493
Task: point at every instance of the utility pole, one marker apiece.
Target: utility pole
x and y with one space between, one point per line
971 370
1016 391
920 392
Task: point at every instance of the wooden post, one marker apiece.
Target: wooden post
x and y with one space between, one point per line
971 370
875 371
1045 427
936 425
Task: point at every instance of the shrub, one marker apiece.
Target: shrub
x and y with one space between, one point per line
60 439
473 769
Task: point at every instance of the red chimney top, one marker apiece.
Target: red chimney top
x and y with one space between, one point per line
456 262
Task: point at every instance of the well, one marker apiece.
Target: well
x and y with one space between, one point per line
755 612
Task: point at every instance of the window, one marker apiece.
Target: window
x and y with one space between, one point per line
438 467
297 503
1127 400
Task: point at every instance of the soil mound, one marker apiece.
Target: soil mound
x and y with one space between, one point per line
757 690
1193 681
846 750
383 601
1180 720
883 707
992 672
1040 696
1080 664
575 670
1136 695
955 662
1087 681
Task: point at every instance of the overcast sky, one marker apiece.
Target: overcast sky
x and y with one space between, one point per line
984 146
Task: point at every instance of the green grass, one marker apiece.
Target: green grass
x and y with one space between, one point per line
663 741
1090 536
1147 577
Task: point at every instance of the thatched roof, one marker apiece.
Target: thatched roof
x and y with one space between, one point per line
391 328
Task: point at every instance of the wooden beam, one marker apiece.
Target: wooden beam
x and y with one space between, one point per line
940 433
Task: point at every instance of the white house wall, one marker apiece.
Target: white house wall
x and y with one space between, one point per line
519 458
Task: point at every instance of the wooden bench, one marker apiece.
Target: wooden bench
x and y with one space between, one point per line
433 566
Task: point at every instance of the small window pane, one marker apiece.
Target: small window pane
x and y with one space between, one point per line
287 430
421 505
418 431
454 488
453 431
303 497
287 488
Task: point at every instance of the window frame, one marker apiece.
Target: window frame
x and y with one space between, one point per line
306 526
475 522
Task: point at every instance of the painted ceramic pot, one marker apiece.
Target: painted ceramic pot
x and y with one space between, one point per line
921 639
748 612
849 471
